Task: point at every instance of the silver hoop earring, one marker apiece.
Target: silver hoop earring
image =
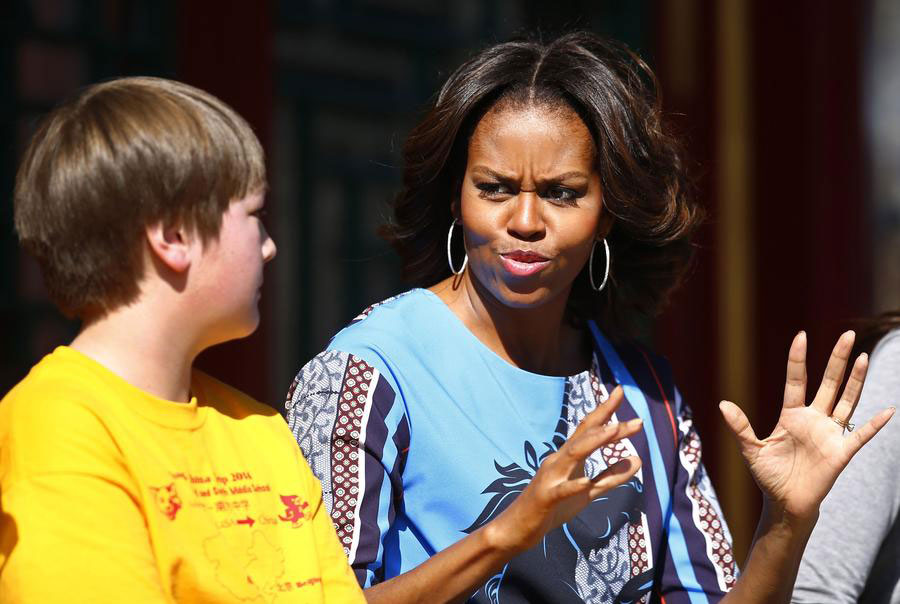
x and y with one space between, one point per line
450 256
594 286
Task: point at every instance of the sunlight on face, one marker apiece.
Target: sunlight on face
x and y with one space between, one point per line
230 271
530 202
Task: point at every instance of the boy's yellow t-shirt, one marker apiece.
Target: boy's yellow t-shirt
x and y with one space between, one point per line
109 494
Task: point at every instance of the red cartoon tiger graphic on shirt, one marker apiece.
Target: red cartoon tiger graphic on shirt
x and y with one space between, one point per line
167 500
294 510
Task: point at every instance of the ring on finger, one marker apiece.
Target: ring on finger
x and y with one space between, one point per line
845 425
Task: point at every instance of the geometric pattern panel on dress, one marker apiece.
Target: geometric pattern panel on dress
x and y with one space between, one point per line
581 398
639 546
600 577
359 382
618 450
639 550
585 392
705 510
312 408
597 384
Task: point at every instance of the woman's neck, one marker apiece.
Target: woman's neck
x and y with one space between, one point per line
537 339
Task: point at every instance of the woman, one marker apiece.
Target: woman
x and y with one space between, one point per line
472 438
854 551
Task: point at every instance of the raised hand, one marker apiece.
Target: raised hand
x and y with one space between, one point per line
797 464
560 489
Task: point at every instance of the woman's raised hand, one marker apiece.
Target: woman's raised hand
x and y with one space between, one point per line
797 464
559 489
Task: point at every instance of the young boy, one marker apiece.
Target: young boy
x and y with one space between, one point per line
126 476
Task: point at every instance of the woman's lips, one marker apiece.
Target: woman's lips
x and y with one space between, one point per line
523 264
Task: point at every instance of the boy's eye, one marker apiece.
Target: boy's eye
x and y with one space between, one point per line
494 190
560 194
260 213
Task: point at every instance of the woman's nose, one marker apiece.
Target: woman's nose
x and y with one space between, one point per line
525 220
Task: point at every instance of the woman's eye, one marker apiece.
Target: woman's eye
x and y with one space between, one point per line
493 190
560 194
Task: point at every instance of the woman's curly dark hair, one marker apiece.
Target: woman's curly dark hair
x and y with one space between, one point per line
644 182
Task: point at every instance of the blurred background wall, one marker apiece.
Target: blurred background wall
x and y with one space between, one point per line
789 112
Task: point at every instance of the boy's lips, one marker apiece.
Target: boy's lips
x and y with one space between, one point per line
520 263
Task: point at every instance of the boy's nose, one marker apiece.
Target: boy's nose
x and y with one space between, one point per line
269 249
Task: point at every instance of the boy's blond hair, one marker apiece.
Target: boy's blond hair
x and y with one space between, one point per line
118 157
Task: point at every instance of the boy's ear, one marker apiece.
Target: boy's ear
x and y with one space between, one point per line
171 244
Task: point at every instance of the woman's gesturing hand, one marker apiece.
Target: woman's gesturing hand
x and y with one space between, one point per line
560 489
797 464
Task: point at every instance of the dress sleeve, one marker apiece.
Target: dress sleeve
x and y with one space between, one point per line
857 524
707 566
353 431
338 581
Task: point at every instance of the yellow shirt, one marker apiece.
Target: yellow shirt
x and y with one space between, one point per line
108 494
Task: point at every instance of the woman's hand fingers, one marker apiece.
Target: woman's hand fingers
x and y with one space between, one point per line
559 489
795 384
617 474
579 447
613 476
602 414
834 373
861 436
844 409
567 464
740 426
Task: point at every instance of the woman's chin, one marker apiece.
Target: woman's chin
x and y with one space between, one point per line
522 294
518 292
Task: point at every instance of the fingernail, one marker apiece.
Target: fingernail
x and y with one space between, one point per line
802 333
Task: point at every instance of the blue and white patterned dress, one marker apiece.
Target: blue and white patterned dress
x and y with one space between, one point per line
420 434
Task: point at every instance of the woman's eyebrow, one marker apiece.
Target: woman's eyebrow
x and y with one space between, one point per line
484 170
564 176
